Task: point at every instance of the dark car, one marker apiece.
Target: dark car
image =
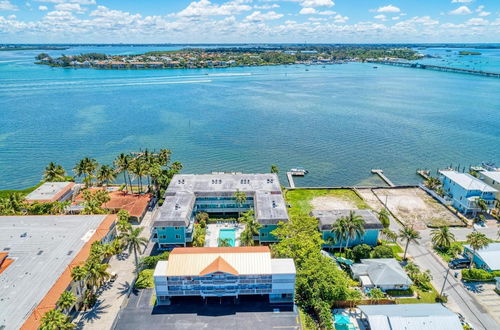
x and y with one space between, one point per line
459 263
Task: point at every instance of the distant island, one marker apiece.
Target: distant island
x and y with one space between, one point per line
12 48
231 57
466 52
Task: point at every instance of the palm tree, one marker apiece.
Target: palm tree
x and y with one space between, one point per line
224 242
481 203
66 301
389 234
355 227
13 204
274 169
122 163
476 241
55 320
106 174
442 237
339 232
86 167
139 168
97 273
133 241
383 217
240 198
252 228
79 274
164 156
410 235
432 183
54 172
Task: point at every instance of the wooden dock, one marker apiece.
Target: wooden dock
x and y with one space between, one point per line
289 176
424 174
380 173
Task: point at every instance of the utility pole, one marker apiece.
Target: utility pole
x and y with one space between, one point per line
445 278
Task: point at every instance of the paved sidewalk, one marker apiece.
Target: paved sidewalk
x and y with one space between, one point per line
113 296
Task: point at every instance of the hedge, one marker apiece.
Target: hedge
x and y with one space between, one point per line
478 275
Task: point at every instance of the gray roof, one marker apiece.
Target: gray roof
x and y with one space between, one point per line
181 194
47 190
467 181
493 175
382 271
411 317
283 266
490 255
328 217
42 247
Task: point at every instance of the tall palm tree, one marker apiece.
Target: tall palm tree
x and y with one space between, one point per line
164 156
106 174
410 235
274 169
55 320
66 301
339 232
442 237
355 227
240 198
79 274
133 241
476 241
252 228
54 172
86 167
122 163
383 217
139 168
481 203
389 234
97 273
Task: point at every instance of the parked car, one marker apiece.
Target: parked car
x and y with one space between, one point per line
459 263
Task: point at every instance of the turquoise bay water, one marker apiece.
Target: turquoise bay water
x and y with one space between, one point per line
338 122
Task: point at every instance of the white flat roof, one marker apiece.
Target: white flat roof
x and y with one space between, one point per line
490 255
467 181
42 247
283 266
48 190
493 175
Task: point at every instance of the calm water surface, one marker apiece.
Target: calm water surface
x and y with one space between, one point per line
339 121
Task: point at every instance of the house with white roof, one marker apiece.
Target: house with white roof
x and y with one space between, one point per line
492 179
385 274
487 258
410 317
465 190
224 272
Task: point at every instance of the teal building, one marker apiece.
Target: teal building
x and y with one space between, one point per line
189 194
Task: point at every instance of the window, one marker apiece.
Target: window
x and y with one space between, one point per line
177 228
177 236
263 234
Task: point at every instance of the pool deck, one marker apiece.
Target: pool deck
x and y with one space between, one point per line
212 236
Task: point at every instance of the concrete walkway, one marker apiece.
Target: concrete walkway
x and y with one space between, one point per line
113 296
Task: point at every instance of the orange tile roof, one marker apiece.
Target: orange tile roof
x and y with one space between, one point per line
50 299
135 204
219 265
241 249
4 261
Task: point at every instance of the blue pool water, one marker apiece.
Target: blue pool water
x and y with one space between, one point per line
229 234
338 122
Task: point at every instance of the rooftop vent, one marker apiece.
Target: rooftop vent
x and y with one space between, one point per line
24 234
274 204
177 206
70 252
39 252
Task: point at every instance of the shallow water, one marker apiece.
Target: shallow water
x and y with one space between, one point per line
338 122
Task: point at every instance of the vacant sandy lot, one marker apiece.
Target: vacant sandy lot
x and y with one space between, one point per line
332 203
412 206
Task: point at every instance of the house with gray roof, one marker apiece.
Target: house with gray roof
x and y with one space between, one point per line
487 258
189 194
327 219
385 274
410 317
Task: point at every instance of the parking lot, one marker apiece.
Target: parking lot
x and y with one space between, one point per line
193 313
489 299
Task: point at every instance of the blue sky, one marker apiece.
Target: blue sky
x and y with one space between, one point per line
180 21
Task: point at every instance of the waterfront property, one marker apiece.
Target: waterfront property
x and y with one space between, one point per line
52 192
385 274
465 190
189 194
492 178
487 258
327 218
224 272
41 251
410 316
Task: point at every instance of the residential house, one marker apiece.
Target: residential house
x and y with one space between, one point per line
492 179
53 192
487 258
385 274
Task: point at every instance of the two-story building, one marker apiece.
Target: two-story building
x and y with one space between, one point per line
189 194
327 218
224 272
492 179
465 190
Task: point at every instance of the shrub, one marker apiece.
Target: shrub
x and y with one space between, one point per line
441 299
399 293
145 279
383 251
151 261
477 275
376 293
361 251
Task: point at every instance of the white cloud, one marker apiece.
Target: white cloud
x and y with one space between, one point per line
258 16
307 11
484 13
70 7
381 17
395 18
462 10
43 8
317 3
81 2
206 8
274 5
340 19
477 21
461 1
5 5
388 9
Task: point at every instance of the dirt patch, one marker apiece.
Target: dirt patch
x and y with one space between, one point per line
415 207
370 198
332 203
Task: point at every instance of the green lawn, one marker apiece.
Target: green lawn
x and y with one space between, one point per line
425 297
23 192
300 199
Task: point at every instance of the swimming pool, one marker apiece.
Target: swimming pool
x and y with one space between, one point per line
229 235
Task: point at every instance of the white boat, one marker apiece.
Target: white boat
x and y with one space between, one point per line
299 171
